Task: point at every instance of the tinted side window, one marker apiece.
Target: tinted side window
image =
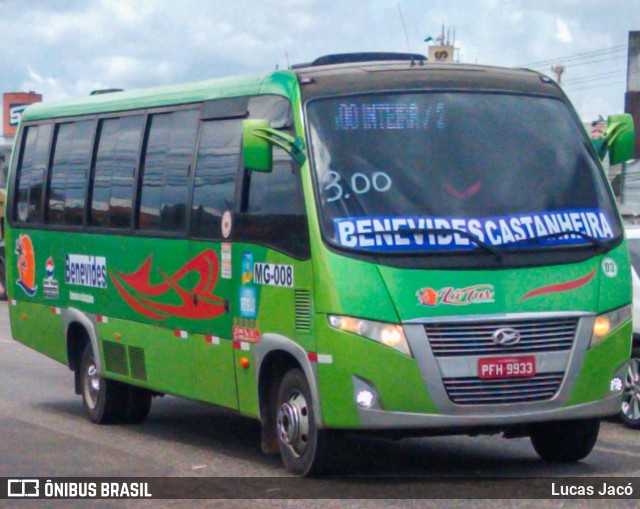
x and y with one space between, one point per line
113 181
272 210
167 170
276 193
31 173
69 172
215 178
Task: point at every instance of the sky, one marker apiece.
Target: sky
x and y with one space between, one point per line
67 48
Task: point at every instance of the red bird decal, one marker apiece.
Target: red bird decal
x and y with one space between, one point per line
197 303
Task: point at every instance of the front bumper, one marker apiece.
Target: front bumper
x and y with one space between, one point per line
380 419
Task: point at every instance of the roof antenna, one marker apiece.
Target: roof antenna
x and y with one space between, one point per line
406 36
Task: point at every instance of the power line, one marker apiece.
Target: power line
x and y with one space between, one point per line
578 56
570 89
588 62
595 61
583 61
596 77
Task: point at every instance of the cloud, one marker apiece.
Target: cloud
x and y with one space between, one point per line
563 34
74 45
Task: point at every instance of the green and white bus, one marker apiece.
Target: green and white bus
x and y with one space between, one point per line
362 243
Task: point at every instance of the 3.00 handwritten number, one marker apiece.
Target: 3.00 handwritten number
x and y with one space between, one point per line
360 184
333 186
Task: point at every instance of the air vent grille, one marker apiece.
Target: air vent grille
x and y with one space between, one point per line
137 363
476 338
474 391
303 310
115 358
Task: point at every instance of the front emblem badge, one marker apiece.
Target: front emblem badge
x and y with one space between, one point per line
506 337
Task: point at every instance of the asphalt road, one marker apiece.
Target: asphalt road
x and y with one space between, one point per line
43 433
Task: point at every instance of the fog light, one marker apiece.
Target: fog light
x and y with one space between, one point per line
615 385
365 398
365 394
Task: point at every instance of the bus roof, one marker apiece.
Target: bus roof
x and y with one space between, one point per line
278 82
388 76
318 80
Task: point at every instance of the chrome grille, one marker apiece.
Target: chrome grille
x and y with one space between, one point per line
477 391
476 338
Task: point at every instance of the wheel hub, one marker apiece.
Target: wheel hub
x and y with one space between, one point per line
92 386
631 397
292 423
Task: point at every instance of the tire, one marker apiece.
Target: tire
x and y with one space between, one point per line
105 401
565 441
630 409
138 405
303 447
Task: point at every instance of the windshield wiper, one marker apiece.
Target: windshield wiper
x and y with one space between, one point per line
596 242
440 231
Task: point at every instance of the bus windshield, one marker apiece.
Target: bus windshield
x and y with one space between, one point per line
509 171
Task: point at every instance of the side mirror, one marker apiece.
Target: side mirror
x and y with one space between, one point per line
258 139
620 138
256 149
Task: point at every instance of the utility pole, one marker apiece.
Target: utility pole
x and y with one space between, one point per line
558 70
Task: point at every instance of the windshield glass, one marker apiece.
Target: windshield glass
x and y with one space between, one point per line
506 169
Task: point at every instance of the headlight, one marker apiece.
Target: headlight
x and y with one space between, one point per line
388 334
608 322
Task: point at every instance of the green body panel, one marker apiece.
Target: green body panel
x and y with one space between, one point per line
196 366
395 376
39 328
616 292
600 364
513 288
351 287
214 373
279 83
168 359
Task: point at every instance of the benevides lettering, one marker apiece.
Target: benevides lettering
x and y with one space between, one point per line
83 270
404 232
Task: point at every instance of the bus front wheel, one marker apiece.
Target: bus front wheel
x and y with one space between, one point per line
565 441
303 447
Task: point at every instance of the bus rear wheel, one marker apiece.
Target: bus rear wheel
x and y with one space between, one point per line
565 441
304 448
138 405
104 400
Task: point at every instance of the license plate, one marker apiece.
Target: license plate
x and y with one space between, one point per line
507 367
